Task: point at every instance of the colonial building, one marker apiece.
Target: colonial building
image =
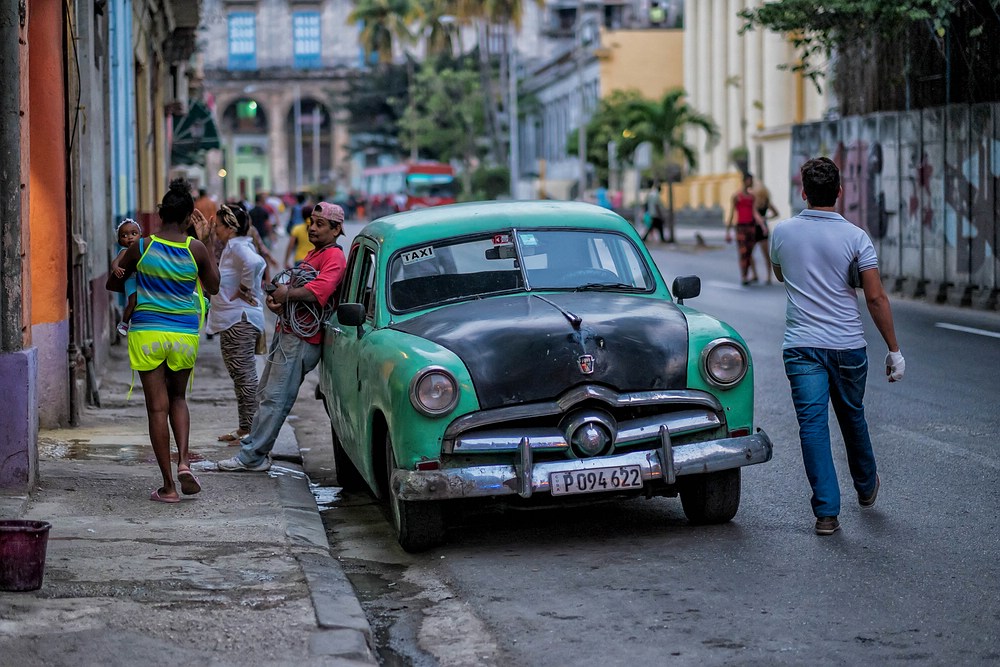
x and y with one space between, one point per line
596 48
272 70
736 80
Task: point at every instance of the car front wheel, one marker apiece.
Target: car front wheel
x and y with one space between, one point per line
419 526
712 497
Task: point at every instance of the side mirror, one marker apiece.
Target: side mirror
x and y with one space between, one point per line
686 287
351 314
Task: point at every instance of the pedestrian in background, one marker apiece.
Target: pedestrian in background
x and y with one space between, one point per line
206 205
299 244
260 217
295 348
824 346
653 216
766 211
237 312
172 270
744 217
128 233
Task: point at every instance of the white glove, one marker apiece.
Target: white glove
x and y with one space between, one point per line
895 365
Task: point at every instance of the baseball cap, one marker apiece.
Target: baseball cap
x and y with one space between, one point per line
329 211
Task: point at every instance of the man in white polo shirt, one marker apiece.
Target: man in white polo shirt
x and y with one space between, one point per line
824 346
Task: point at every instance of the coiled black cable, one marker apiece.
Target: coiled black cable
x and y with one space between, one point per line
302 318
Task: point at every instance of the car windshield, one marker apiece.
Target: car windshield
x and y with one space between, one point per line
513 261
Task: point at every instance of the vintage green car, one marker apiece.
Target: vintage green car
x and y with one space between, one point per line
530 352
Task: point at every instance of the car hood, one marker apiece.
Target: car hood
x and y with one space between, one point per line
526 348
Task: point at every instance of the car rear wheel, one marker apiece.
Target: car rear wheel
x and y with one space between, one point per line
348 475
419 526
712 497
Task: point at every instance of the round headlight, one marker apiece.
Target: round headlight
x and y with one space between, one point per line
434 392
724 362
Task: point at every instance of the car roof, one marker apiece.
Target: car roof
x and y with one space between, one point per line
437 222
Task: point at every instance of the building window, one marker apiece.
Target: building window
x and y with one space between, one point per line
242 40
306 39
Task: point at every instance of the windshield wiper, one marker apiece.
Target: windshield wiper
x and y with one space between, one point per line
607 287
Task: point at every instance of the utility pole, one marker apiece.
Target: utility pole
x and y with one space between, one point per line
515 148
298 138
581 133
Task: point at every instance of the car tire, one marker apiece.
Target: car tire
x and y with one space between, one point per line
348 475
712 497
419 526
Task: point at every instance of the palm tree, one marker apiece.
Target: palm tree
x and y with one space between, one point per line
664 123
483 13
385 23
436 21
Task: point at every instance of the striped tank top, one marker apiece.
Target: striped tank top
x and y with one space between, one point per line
166 285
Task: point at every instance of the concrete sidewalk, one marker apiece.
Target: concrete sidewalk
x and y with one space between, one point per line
240 574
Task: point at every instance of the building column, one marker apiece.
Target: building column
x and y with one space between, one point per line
719 109
736 93
702 94
277 144
778 105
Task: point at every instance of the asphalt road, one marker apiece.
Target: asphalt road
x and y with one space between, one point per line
913 580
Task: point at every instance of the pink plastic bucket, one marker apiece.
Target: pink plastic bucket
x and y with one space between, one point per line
22 554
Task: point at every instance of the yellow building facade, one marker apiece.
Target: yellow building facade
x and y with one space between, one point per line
736 80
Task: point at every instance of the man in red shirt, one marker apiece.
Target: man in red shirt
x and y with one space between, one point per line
295 348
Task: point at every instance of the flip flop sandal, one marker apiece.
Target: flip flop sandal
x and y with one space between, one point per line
189 483
156 497
232 436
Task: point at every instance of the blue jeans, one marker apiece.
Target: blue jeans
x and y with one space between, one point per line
818 376
288 361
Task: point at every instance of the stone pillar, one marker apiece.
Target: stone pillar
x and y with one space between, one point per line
736 91
277 143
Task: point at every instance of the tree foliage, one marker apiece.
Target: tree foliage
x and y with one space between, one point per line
887 50
374 101
629 119
384 23
445 116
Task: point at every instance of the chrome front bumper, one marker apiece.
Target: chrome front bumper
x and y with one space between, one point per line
526 478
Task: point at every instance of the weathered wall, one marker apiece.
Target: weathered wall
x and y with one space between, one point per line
48 205
925 185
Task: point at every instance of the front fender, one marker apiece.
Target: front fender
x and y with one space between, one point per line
388 363
737 402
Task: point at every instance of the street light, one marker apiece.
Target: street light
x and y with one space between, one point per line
584 36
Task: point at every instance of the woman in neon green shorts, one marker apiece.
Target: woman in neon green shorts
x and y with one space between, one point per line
172 272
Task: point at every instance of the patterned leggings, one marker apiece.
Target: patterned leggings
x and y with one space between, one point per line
238 343
746 239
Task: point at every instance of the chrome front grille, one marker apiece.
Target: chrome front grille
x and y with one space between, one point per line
639 417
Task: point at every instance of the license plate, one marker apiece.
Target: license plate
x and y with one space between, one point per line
595 480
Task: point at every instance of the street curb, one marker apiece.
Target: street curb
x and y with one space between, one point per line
13 506
344 630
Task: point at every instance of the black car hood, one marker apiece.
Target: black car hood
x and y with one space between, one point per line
525 348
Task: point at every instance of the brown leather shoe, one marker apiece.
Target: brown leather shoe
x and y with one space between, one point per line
869 500
827 525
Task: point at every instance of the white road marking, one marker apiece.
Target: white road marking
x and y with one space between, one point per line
914 438
971 330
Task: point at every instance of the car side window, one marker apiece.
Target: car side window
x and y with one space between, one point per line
345 293
366 281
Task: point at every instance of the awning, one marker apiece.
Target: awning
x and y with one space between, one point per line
194 133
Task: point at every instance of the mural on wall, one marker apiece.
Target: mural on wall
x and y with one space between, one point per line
923 184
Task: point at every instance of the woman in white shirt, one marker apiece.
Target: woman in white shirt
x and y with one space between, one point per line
237 311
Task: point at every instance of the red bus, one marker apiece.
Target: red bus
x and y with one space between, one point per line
408 185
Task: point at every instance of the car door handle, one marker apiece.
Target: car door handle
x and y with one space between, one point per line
334 329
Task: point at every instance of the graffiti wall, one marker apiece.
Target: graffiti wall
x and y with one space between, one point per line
924 185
